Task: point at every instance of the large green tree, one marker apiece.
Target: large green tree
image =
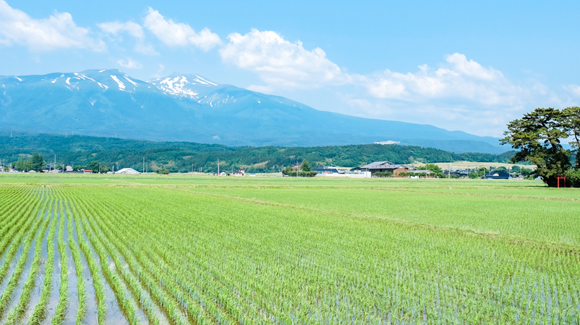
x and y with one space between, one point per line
305 166
38 163
23 165
94 166
537 135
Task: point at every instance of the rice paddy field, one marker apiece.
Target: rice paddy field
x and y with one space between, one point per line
269 250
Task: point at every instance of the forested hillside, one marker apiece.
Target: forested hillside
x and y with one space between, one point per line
186 156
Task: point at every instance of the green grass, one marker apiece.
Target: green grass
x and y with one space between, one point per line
191 249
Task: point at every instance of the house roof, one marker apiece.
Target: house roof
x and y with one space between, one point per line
381 165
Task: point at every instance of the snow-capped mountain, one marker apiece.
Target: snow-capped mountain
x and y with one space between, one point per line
190 85
189 107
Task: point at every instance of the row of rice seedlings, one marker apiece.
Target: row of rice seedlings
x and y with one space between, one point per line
187 299
434 288
30 283
13 203
224 285
20 265
131 281
354 293
183 281
146 275
206 271
39 312
94 269
19 221
13 231
125 302
76 254
63 299
189 278
9 193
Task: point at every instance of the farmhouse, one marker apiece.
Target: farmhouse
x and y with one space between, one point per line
130 171
385 166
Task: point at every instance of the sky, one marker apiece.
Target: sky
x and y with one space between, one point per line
460 65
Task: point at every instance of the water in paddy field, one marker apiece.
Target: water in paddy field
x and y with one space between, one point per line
15 297
73 293
12 265
140 314
91 316
114 315
55 286
37 291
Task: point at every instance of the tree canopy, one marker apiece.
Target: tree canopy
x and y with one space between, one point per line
538 135
38 163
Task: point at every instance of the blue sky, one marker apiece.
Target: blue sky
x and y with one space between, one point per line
469 66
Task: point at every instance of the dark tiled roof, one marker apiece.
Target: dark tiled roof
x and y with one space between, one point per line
381 165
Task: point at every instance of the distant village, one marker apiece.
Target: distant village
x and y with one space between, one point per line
372 170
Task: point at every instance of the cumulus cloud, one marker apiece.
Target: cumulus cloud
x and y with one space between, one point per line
116 27
129 64
55 32
458 77
179 34
280 62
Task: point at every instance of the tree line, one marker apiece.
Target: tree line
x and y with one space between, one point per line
187 157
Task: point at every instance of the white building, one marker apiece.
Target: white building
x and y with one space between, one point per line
129 171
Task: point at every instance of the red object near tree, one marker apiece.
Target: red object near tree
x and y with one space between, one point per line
559 178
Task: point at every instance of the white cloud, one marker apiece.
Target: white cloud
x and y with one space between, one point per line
116 27
56 32
573 89
458 78
179 34
129 64
280 62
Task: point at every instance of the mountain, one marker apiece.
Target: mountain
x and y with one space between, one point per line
188 107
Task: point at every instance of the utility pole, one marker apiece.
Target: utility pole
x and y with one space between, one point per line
218 167
54 166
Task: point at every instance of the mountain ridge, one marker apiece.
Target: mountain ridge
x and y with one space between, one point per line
189 107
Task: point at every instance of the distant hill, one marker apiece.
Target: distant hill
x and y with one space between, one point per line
179 107
185 156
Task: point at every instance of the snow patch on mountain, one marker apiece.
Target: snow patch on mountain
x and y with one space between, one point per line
204 81
176 86
121 85
131 81
189 86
